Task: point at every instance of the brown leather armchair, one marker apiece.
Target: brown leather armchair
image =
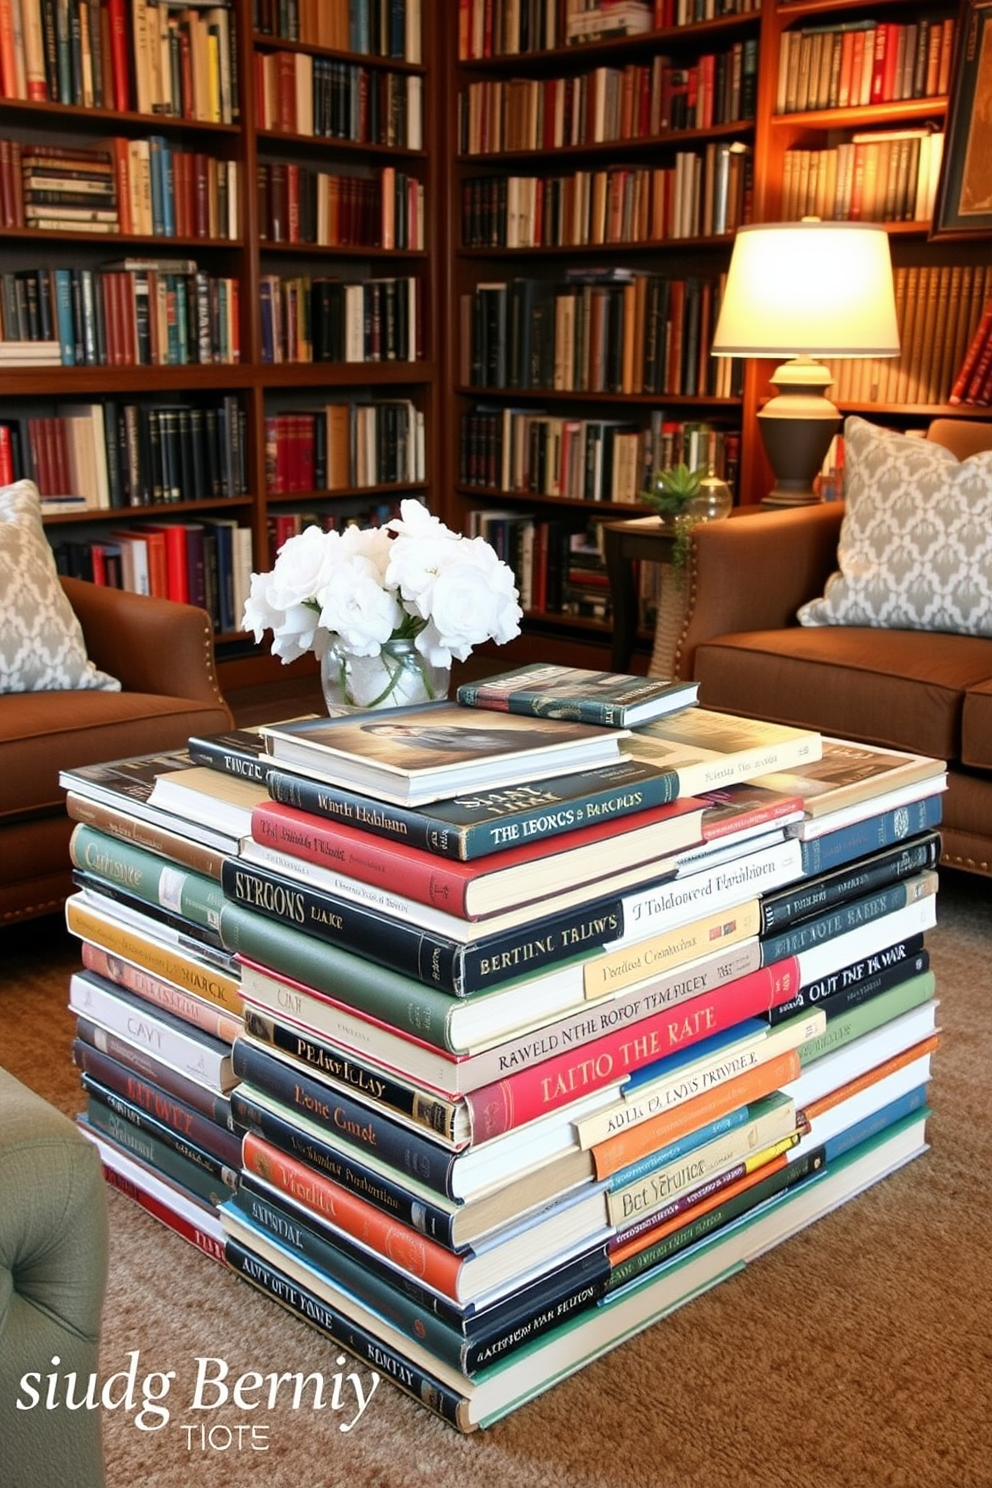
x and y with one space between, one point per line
163 655
926 692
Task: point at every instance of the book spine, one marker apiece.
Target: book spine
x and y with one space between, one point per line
141 1078
306 1305
375 991
155 1154
184 971
384 1192
217 753
150 879
864 837
153 989
199 857
173 1133
180 1224
548 819
432 1112
195 1055
855 984
732 1195
423 1258
339 845
110 1077
357 1283
433 959
846 916
517 1099
786 905
350 1123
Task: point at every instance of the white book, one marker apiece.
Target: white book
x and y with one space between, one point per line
197 1055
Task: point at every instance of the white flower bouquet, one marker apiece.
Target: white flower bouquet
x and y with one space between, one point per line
359 589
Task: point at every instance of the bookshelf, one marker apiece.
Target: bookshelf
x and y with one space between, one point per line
592 195
265 343
820 152
518 222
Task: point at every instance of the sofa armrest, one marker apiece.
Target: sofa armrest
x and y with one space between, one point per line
152 645
753 574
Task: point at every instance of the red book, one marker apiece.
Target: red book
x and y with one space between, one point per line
982 336
119 68
177 572
546 1087
504 880
6 456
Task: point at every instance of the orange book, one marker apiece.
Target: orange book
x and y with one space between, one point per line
639 1141
871 1077
410 1252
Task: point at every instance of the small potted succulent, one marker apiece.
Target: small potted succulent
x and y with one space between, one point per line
684 496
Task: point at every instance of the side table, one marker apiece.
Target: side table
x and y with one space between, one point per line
648 539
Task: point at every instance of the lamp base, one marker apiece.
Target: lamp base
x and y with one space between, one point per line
796 429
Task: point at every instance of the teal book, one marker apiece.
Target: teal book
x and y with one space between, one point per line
614 699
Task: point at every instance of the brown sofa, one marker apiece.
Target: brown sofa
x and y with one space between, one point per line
925 692
163 655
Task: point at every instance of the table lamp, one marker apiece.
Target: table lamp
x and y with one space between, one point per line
803 290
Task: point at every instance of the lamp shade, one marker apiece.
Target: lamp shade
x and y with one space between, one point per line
813 288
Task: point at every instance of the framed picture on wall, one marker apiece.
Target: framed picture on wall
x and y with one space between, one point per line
964 192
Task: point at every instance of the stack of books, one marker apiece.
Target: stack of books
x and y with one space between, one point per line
157 999
551 1024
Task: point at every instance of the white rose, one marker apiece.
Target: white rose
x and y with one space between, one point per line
354 605
470 601
293 628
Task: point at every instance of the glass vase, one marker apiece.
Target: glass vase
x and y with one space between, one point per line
398 677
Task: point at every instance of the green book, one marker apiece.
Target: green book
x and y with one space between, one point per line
139 874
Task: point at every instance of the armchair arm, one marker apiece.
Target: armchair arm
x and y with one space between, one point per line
151 645
755 573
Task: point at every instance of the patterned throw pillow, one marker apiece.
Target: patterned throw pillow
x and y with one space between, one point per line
41 641
915 549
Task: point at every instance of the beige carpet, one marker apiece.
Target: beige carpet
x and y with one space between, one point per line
858 1355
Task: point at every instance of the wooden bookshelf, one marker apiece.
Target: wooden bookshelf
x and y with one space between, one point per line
327 134
493 151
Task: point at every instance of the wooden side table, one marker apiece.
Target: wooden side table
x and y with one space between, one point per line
648 539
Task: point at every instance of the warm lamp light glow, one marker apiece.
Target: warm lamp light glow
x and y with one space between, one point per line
802 290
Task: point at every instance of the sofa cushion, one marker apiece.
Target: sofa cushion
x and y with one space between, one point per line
915 548
896 688
41 641
45 732
976 726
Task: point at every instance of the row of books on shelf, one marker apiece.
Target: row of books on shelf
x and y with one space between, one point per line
881 176
509 28
301 204
938 309
533 452
147 312
137 57
344 445
479 1145
559 566
345 25
636 102
699 194
322 97
207 562
612 330
284 522
110 454
318 319
851 63
146 186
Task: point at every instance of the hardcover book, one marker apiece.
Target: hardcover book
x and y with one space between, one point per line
847 774
611 698
418 754
709 749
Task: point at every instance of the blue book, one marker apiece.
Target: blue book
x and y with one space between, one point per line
818 929
157 180
863 837
679 1148
877 1121
65 326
